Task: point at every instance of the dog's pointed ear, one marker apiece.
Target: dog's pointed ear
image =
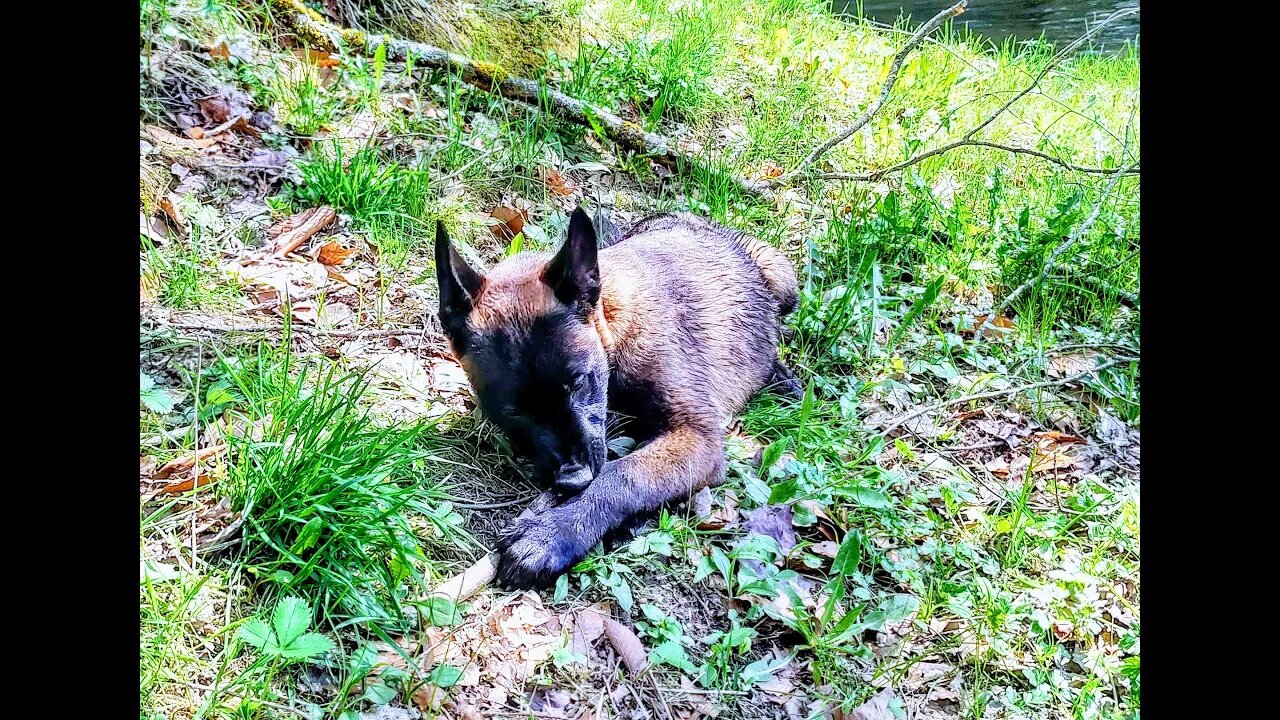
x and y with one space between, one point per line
459 284
574 273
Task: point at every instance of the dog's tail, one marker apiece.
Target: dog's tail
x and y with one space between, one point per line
779 274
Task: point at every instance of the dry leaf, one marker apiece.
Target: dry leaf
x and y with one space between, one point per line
627 645
164 137
333 253
189 484
1061 366
220 51
877 708
186 462
215 110
511 222
559 184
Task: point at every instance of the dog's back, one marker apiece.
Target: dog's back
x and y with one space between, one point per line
697 312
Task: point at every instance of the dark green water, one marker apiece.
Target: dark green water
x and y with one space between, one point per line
1058 21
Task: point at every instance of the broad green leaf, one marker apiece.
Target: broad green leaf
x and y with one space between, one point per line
562 588
784 492
705 568
771 454
291 619
145 382
516 244
893 608
802 515
307 537
441 612
307 646
672 653
444 676
660 542
622 591
721 562
157 400
849 554
868 497
379 694
762 670
256 633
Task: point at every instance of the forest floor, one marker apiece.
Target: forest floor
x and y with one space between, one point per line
947 525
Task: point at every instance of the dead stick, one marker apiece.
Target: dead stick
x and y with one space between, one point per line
998 393
299 330
309 223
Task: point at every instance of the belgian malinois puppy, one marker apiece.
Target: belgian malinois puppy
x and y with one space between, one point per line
671 327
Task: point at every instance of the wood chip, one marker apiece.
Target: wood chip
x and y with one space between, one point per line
299 228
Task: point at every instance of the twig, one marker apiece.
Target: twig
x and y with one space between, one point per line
885 89
877 174
1076 234
998 393
493 506
968 138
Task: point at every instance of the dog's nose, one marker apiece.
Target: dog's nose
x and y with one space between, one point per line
574 477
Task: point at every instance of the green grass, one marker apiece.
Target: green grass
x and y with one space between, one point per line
328 493
361 184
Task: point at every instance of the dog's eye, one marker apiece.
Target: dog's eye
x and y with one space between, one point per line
512 412
577 383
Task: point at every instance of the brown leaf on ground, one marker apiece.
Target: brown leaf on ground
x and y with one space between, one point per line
1061 366
877 708
319 58
190 483
588 625
716 518
186 462
826 549
628 646
510 222
215 110
170 208
997 326
560 185
164 137
220 51
332 253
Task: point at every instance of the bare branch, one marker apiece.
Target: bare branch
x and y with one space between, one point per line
968 139
877 174
999 393
885 89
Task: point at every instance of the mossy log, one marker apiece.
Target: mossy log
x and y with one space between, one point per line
321 34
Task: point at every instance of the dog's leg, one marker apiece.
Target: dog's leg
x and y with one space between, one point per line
674 465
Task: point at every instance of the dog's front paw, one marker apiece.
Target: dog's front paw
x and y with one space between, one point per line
537 550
